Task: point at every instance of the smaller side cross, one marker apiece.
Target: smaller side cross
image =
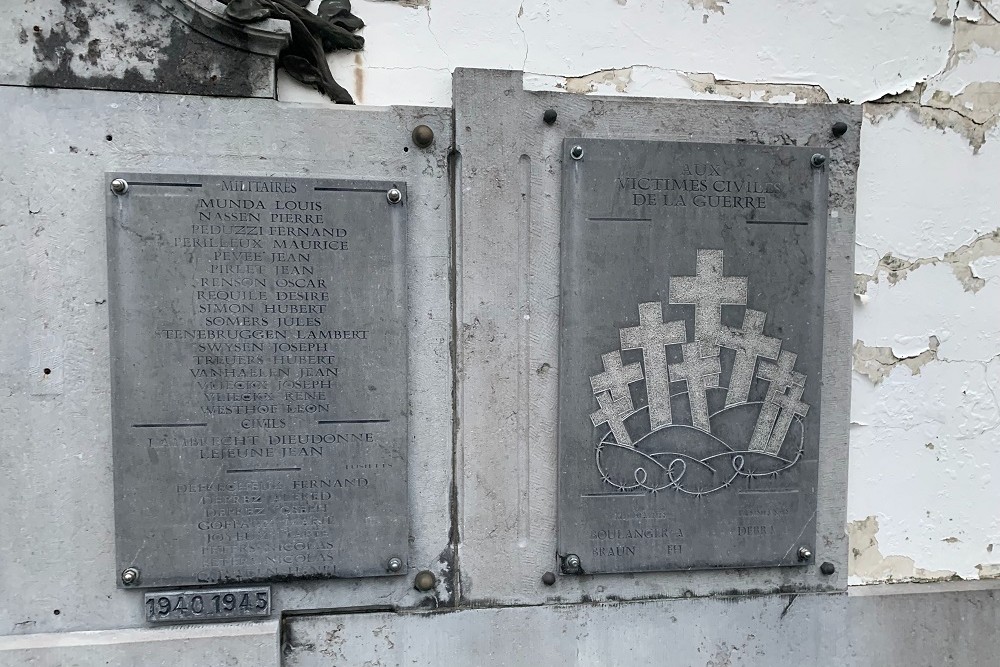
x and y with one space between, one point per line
748 343
700 373
652 337
783 394
616 377
613 413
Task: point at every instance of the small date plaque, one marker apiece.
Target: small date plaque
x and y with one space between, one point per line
258 352
691 354
213 604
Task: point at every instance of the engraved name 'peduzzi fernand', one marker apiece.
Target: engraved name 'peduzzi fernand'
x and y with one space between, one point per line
270 357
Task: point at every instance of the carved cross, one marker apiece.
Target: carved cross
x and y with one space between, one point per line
615 377
790 405
613 413
652 337
699 372
749 343
782 401
708 290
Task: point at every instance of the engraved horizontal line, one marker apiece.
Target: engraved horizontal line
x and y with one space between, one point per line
166 185
176 425
619 219
612 495
353 421
320 189
777 222
769 491
263 470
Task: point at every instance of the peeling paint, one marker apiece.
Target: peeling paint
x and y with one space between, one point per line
972 113
961 261
988 570
944 10
412 4
865 560
596 81
757 92
876 363
359 78
953 99
717 6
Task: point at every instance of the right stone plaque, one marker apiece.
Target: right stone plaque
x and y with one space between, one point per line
691 354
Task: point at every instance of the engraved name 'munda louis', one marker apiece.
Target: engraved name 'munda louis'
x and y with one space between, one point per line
636 450
259 383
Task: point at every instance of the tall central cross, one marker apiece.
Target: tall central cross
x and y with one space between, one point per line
652 337
616 377
781 404
708 290
700 373
749 343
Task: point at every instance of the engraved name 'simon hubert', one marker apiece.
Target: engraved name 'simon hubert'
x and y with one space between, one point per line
272 356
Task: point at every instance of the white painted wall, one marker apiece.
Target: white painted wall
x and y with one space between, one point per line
924 500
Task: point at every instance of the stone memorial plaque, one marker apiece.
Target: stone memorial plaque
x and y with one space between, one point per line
690 356
258 350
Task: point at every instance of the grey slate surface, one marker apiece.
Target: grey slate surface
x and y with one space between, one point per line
258 389
692 282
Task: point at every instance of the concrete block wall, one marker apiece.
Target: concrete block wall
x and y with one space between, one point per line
921 534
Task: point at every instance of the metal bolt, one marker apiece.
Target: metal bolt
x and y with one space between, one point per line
576 152
571 564
549 578
395 564
805 553
119 186
394 196
550 116
818 160
422 136
839 128
827 568
424 581
130 575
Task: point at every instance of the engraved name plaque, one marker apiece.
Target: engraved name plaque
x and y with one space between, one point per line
258 351
690 354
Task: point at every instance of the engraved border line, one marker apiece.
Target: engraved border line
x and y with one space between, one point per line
323 189
613 495
178 425
166 185
777 222
619 219
353 421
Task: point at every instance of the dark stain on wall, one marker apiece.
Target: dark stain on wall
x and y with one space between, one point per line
136 46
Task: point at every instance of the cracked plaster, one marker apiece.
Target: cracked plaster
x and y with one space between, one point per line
877 362
858 50
866 563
